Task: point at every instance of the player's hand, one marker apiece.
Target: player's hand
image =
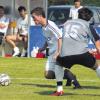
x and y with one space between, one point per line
93 52
98 50
97 43
56 55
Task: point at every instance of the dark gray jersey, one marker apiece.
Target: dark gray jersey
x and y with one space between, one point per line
75 37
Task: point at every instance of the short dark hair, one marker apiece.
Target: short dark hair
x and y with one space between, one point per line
38 11
85 14
21 8
77 0
2 7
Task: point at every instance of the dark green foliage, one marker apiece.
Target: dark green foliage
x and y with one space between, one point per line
84 2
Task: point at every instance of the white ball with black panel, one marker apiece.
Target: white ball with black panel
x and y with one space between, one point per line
4 80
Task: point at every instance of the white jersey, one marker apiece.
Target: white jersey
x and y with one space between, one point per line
52 34
4 22
22 25
74 12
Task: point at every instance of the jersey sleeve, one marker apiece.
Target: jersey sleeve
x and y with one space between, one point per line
94 33
55 30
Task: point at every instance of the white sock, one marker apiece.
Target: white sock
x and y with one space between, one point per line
24 50
59 73
16 49
98 71
59 88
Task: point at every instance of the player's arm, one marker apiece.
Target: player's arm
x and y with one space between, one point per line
43 48
97 43
59 45
95 35
96 38
58 34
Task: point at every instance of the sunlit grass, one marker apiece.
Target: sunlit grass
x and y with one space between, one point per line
28 82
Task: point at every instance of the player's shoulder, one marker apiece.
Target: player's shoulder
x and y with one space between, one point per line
82 21
19 19
77 22
80 7
51 23
72 8
5 18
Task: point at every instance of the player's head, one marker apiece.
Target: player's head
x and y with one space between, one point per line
38 15
2 11
22 11
85 14
77 3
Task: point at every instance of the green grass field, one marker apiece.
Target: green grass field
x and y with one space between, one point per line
28 82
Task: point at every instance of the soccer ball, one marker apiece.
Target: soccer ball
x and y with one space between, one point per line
4 80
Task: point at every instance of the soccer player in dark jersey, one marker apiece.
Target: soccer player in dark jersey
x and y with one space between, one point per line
75 46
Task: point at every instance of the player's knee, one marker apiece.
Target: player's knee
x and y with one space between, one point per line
50 75
7 38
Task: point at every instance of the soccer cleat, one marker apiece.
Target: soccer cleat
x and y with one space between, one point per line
57 93
76 83
77 87
71 78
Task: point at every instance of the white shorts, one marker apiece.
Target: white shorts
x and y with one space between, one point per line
50 64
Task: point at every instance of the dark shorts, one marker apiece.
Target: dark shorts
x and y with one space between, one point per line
23 37
85 59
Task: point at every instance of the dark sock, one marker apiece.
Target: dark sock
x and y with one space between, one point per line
59 83
71 77
69 82
76 83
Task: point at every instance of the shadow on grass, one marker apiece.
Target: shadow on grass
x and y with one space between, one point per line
40 85
86 87
65 94
53 86
90 87
47 93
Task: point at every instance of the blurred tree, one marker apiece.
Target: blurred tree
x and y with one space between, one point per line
84 2
57 2
91 2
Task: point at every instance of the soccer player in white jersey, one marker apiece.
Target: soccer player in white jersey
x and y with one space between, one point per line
74 10
75 45
4 22
54 41
22 34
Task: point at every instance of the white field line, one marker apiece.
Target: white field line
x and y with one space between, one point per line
42 79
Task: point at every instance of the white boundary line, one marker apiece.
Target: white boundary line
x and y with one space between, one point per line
42 79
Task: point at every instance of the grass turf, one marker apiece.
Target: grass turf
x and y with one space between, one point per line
28 82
